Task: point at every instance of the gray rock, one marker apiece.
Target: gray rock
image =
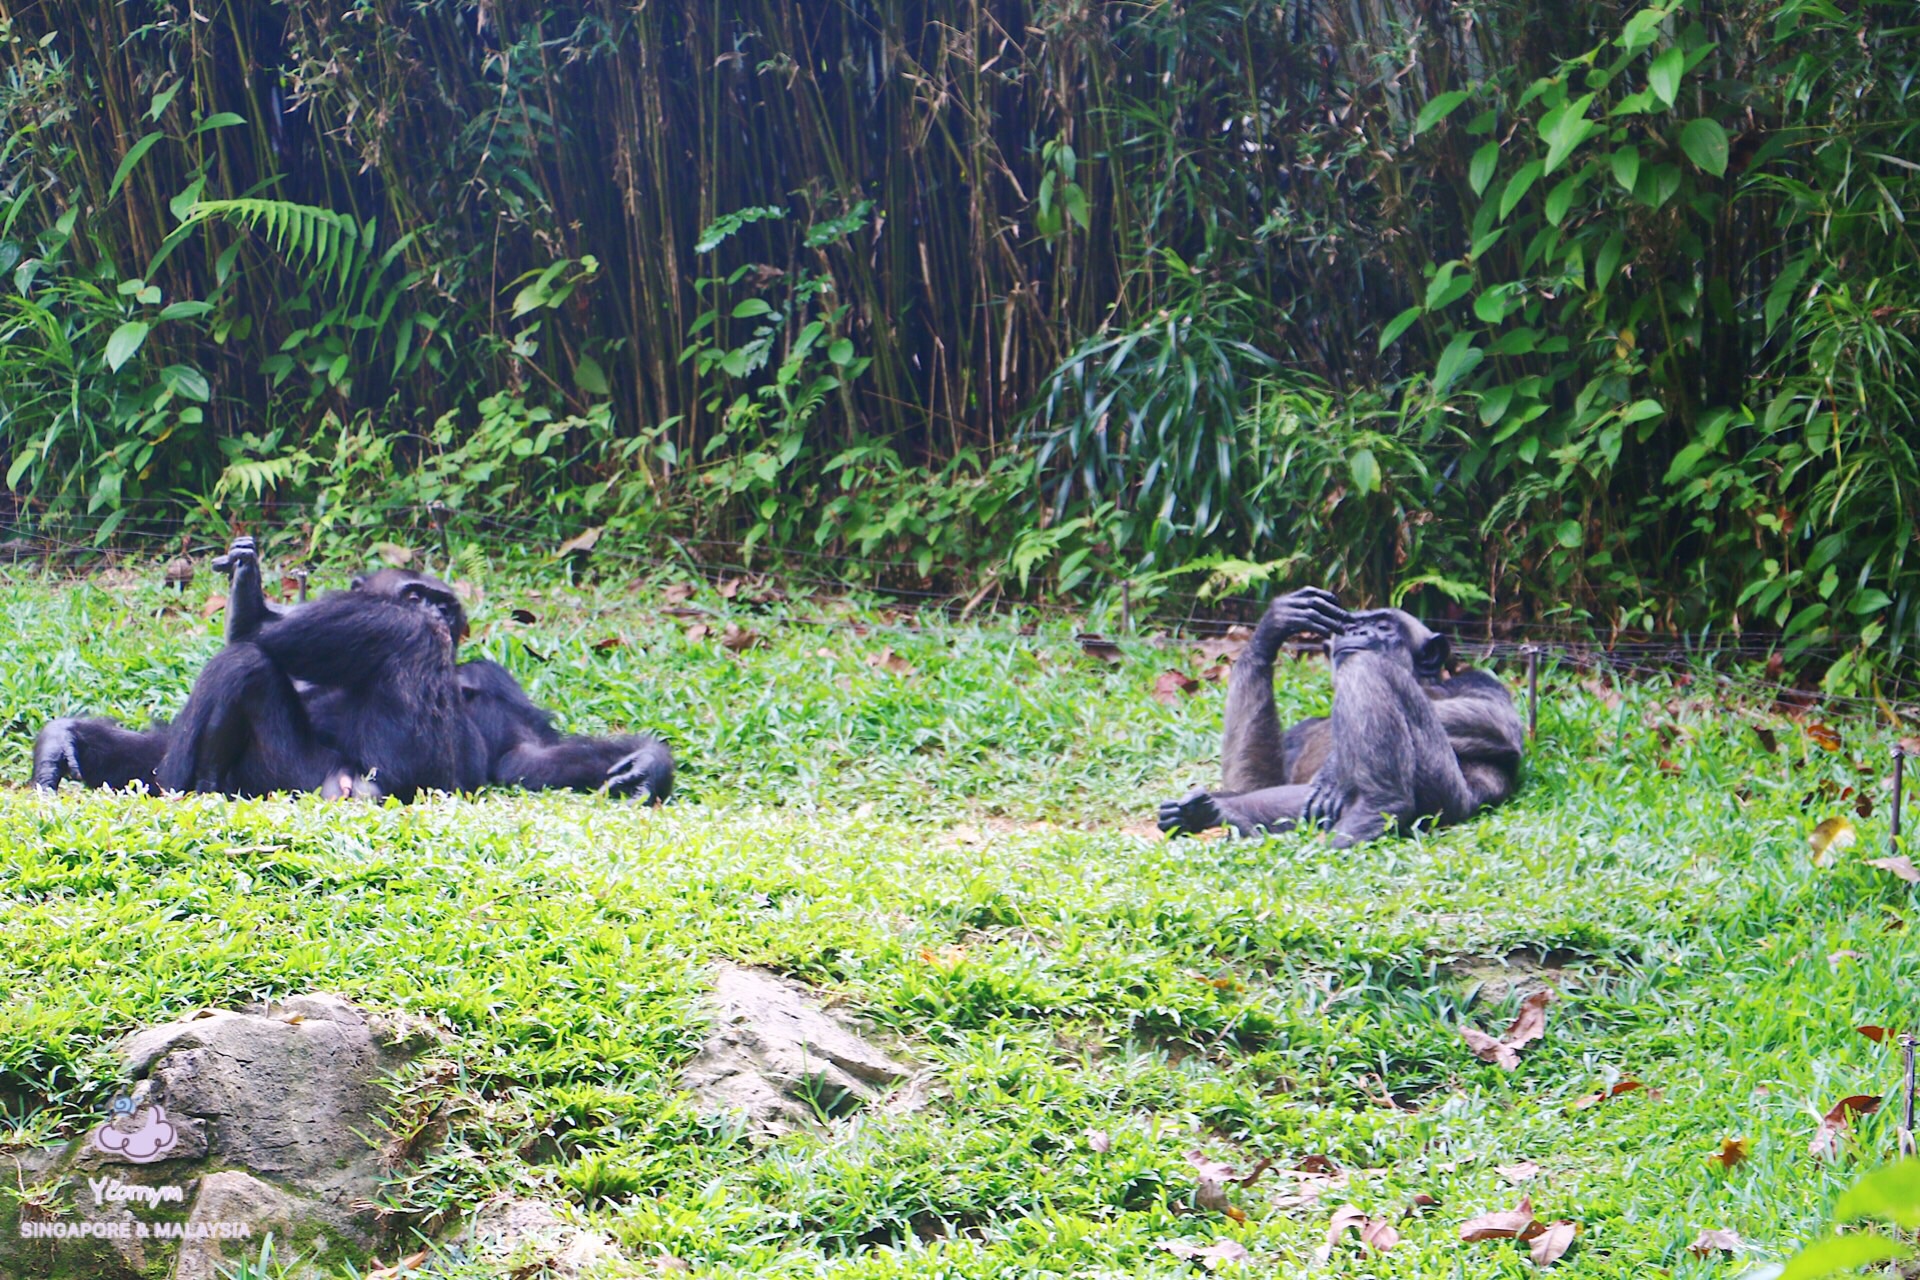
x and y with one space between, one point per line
779 1060
234 1125
528 1237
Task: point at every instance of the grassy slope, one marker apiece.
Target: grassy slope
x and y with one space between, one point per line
957 850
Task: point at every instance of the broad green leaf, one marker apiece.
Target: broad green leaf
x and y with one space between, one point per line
1491 305
1561 197
1638 32
1902 1208
1366 470
750 308
1705 143
1608 259
129 160
1641 410
1841 1253
125 341
1398 325
1494 402
1780 295
184 380
1517 187
185 310
1626 167
1570 535
531 298
1438 109
1569 130
1663 77
182 205
1458 360
1480 170
840 351
590 377
219 120
1075 200
1684 462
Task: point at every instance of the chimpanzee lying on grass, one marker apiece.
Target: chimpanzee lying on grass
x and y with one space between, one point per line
357 693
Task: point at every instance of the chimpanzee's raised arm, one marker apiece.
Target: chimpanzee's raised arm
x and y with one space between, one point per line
247 607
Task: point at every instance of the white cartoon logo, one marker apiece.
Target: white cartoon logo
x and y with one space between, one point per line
140 1134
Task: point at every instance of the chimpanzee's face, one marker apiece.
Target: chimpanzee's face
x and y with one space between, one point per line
420 591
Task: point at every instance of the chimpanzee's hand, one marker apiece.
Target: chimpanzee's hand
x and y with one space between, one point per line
633 775
55 756
1191 813
1308 609
1324 803
242 554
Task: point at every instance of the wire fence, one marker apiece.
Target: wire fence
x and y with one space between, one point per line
1753 661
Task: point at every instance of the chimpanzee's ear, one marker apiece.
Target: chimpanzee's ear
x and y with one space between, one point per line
1431 659
359 581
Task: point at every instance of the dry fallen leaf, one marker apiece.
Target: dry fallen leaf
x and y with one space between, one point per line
1876 1034
888 660
1216 673
1098 646
1547 1245
1170 686
1732 1151
677 592
1507 1224
1525 1171
1346 1218
1378 1235
1586 1100
1834 960
1098 1141
738 639
214 604
399 1268
1224 648
698 631
581 543
523 616
1824 735
1901 866
1608 695
1833 1124
1767 737
1529 1025
1212 1177
1715 1242
1831 836
394 554
611 642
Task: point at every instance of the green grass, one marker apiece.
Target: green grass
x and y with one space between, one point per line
959 852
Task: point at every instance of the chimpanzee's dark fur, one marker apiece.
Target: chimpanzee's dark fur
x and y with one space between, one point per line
1405 741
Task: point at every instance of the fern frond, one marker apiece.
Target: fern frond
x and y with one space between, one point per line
303 234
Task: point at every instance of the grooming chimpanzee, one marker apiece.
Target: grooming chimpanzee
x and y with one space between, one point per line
357 693
1404 741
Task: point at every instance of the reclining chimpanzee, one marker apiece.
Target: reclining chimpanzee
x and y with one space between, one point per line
1405 741
357 693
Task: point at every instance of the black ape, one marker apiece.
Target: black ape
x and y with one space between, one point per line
332 721
1380 750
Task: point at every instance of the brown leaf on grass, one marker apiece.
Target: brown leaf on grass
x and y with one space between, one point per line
1901 866
1825 735
1169 687
1586 1100
888 660
729 587
665 1262
394 554
580 543
1214 1256
1224 648
398 1269
1507 1224
1608 695
1716 1241
1098 1141
1547 1245
1212 1177
1834 1124
214 604
1316 1164
523 616
611 642
1378 1235
1346 1218
1909 746
699 631
1732 1151
1831 836
1527 1026
1834 961
1878 1035
738 639
677 592
1768 739
1216 673
1098 646
1525 1171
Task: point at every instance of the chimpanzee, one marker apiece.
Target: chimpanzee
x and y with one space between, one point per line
357 693
1405 740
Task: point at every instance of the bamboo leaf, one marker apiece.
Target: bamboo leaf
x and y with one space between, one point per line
129 160
1517 187
590 377
1705 143
219 120
1626 168
1663 77
125 341
1480 171
1438 109
1398 325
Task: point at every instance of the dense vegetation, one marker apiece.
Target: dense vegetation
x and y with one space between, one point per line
1582 306
944 826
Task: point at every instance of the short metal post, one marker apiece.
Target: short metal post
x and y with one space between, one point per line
1907 1042
1899 782
1533 689
1126 607
300 578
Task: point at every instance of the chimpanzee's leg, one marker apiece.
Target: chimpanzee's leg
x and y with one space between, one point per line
96 752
